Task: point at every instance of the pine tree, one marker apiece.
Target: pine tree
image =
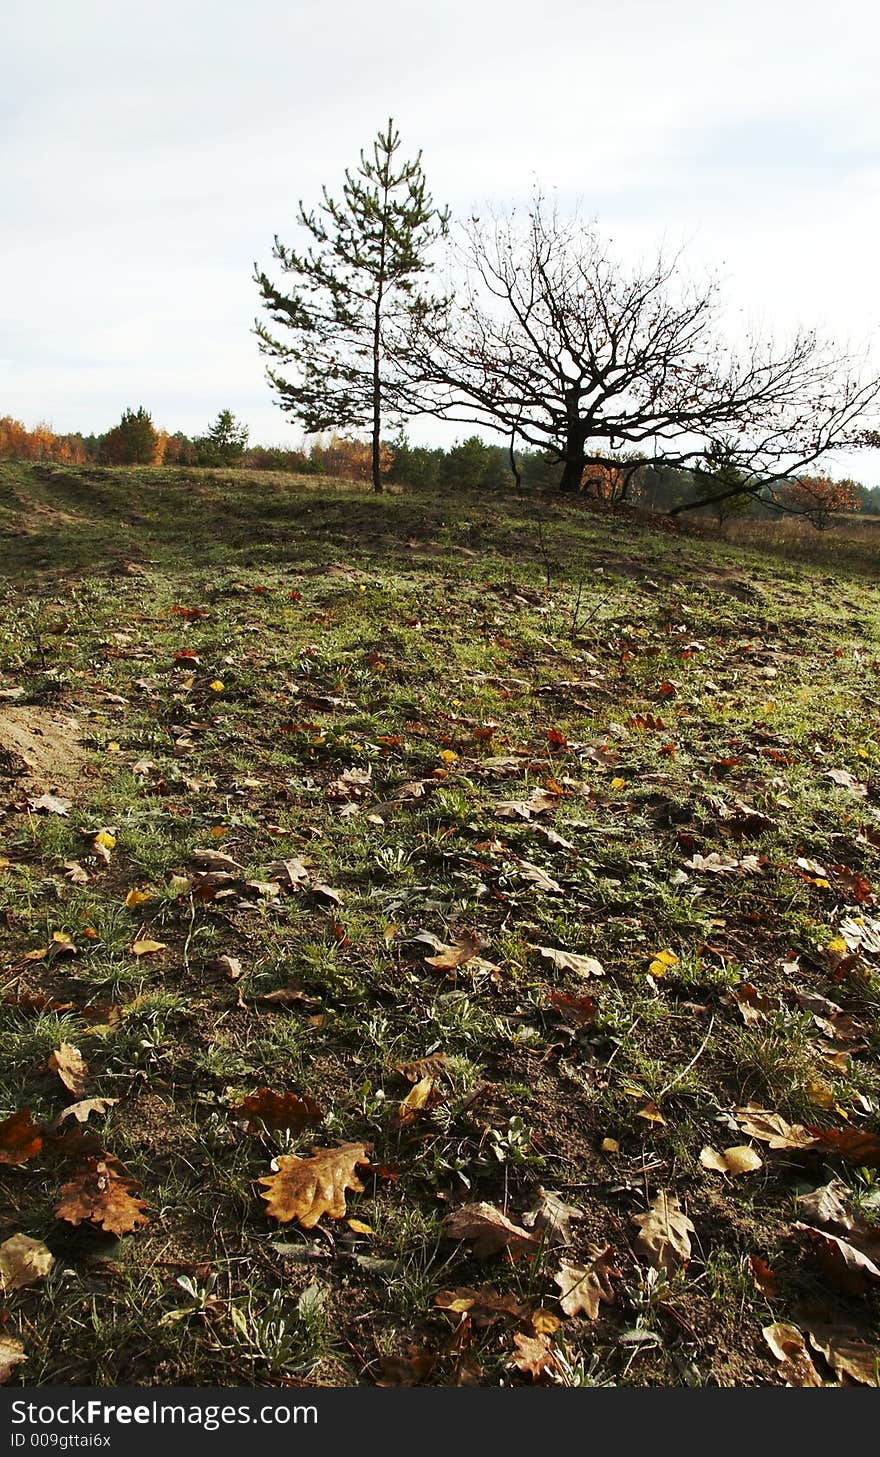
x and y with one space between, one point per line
225 442
352 295
132 442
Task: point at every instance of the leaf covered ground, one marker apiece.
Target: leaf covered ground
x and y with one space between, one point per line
437 947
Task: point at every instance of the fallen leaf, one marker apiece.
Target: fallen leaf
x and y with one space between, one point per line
583 1287
288 873
80 1111
75 873
51 804
753 1007
764 1278
467 946
846 1353
327 893
406 1370
662 963
103 843
571 961
421 1067
67 1061
264 1110
228 966
717 864
772 1128
23 1261
104 1194
856 1145
484 1305
420 1096
847 781
304 1189
539 878
579 1010
12 1352
550 1217
147 947
849 1267
790 1350
212 860
742 1159
20 1138
488 1231
534 1356
664 1234
137 898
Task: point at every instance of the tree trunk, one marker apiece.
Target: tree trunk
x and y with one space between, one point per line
573 470
377 413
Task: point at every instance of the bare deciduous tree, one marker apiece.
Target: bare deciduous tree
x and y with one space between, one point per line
554 341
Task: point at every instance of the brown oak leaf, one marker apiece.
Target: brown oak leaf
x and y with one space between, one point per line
67 1061
790 1350
275 1111
772 1128
23 1261
81 1110
664 1234
464 949
583 1287
12 1352
550 1216
534 1356
304 1189
846 1353
487 1231
20 1138
104 1194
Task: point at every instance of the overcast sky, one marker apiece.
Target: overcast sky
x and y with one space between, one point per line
149 153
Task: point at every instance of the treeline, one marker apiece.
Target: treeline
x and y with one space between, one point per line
469 465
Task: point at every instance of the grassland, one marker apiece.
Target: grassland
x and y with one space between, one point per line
490 725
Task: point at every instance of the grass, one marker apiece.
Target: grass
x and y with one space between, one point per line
362 683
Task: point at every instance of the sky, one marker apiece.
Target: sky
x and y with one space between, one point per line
149 154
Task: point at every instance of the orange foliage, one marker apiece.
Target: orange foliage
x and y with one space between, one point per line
350 459
819 497
604 482
41 443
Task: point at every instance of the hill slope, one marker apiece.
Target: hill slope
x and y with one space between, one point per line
517 849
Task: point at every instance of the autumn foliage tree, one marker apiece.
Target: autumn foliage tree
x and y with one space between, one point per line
818 498
343 302
40 443
349 459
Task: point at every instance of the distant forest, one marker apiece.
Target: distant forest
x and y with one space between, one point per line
469 465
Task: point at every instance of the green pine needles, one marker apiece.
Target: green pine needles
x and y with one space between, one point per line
344 306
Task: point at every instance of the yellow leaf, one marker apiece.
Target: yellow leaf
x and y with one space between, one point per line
146 948
609 1145
113 747
137 898
618 783
651 1113
545 1323
359 1227
448 756
838 944
216 686
61 938
105 838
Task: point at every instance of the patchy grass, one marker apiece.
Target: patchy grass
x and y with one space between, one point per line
282 670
